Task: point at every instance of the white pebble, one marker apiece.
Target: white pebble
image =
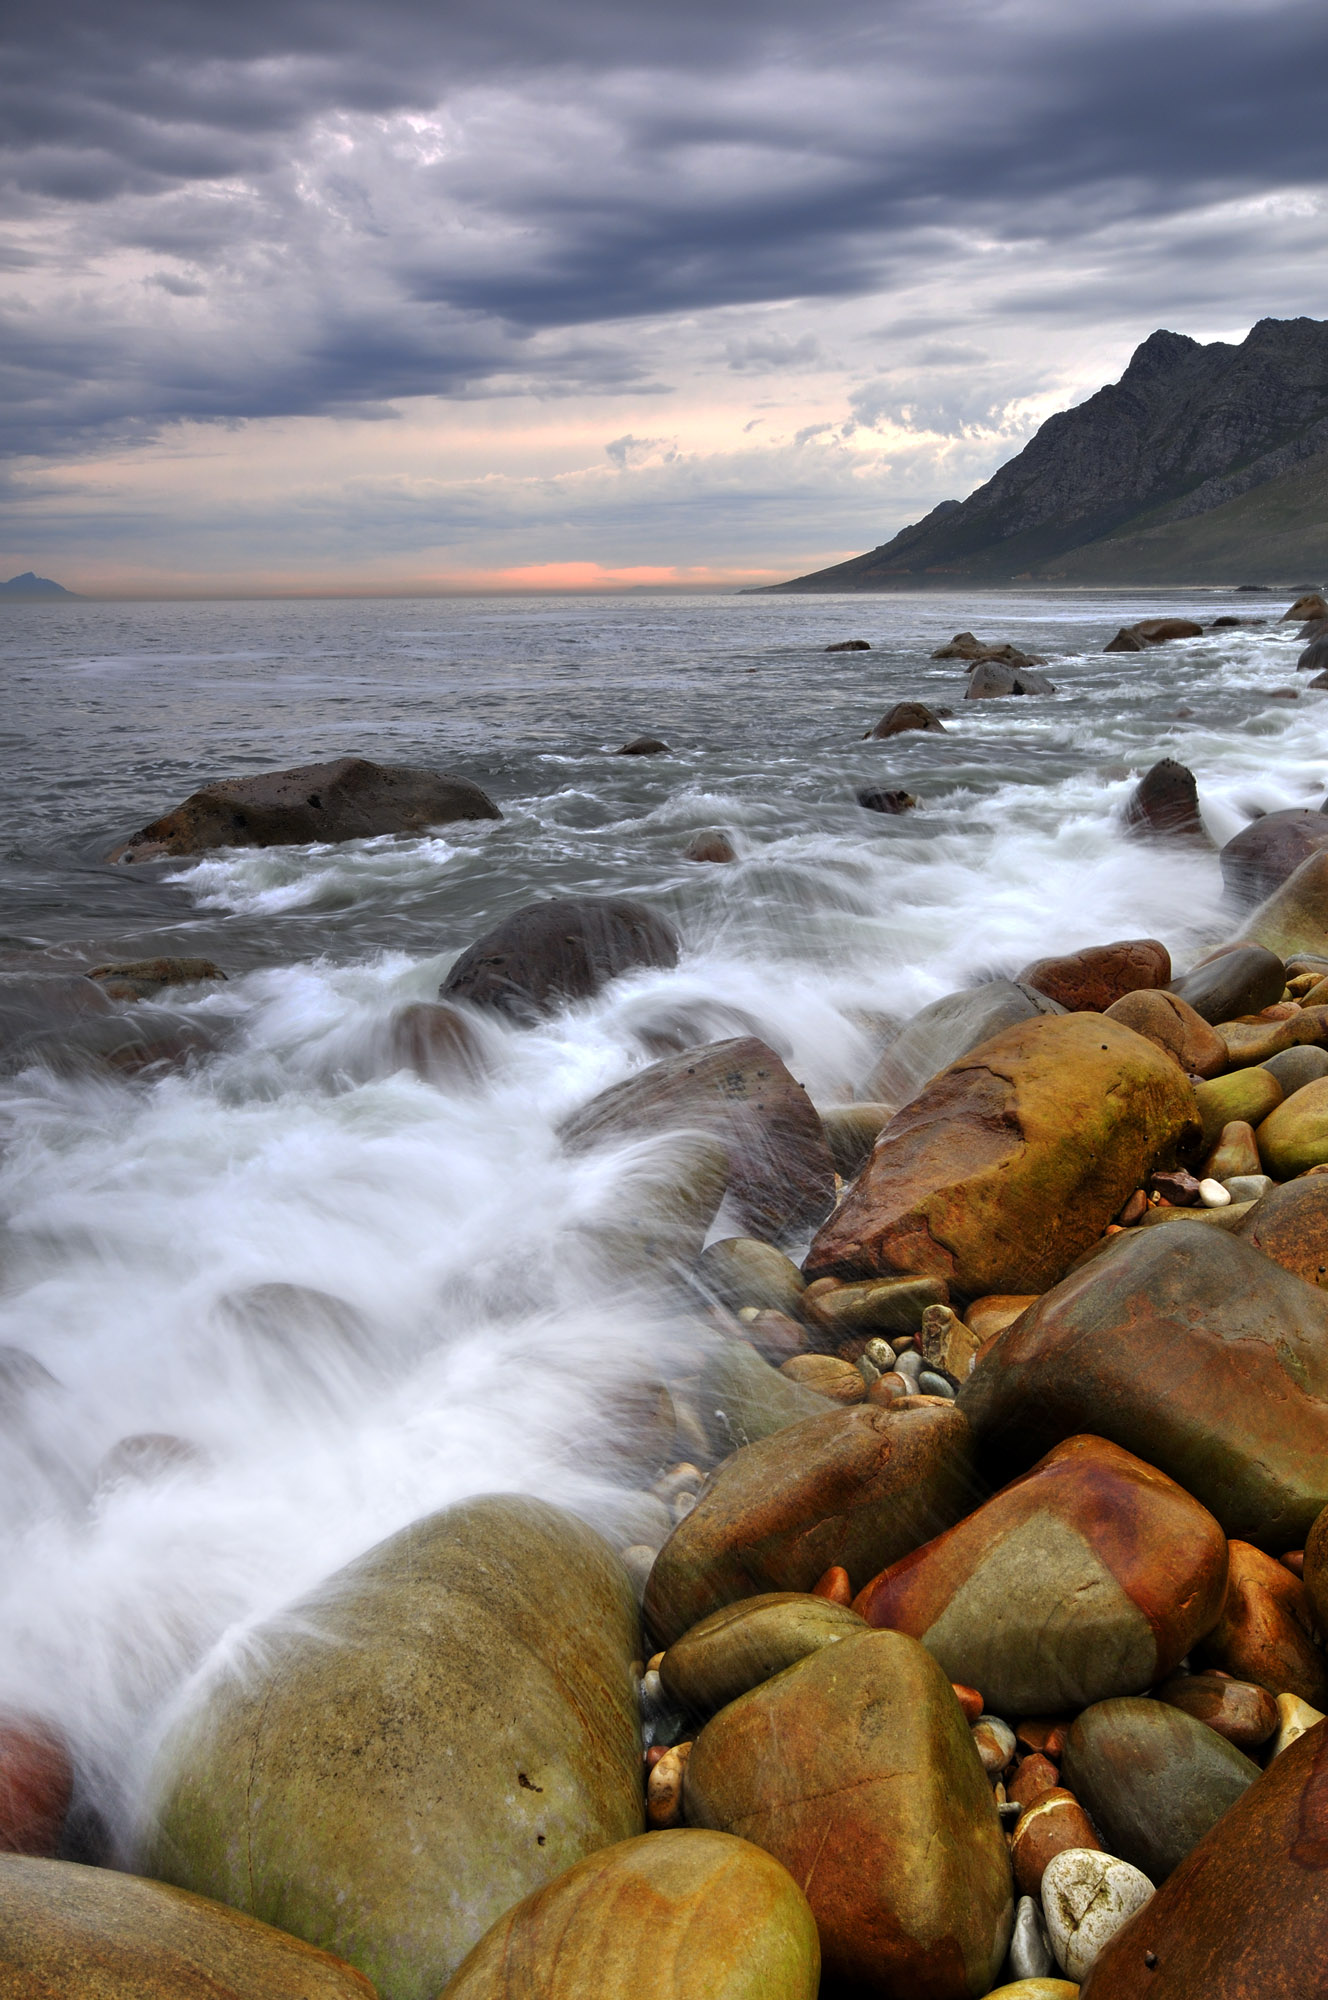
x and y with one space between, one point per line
1213 1195
1086 1897
994 1741
1030 1954
1294 1718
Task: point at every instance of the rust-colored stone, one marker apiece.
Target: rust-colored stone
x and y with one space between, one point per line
1264 1633
1034 1776
1092 980
1243 1712
1054 1822
991 1315
36 1784
1041 1735
834 1585
1290 1225
1172 1024
825 1375
969 1700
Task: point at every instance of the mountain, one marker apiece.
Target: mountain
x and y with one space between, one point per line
29 585
1203 464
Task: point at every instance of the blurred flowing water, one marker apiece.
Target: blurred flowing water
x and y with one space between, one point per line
355 1295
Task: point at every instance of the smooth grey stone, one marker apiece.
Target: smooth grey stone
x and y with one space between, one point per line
909 1363
1152 1779
742 1398
1294 1068
1239 982
1249 1187
1030 1954
932 1384
948 1029
743 1271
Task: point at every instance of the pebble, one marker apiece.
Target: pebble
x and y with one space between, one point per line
1054 1824
1248 1187
1086 1897
969 1700
1030 1954
909 1364
1213 1195
994 1741
1295 1717
932 1384
881 1355
834 1585
1036 1775
664 1787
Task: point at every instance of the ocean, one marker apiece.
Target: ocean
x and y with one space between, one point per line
350 1296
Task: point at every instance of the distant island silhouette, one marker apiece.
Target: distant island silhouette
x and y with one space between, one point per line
30 585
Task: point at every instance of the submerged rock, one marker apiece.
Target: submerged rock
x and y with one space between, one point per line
142 978
1165 801
947 1029
548 954
348 799
711 845
644 746
1258 859
875 800
907 715
1294 918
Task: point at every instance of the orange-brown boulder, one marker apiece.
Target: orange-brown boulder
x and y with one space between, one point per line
1054 1822
1091 1576
1239 1710
36 1785
1092 980
857 1770
1265 1633
1011 1163
1171 1023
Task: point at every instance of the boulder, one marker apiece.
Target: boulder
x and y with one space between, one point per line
713 844
1290 1225
904 716
1244 1097
1242 1712
1294 1136
417 1745
1175 1343
743 1271
1171 1023
881 1305
548 954
1165 801
873 799
743 1644
1260 857
74 1933
1314 658
990 678
857 1770
1235 982
1154 632
1093 980
1127 640
349 799
855 1488
664 1199
1246 1913
36 1785
851 1130
438 1043
742 1399
144 978
947 1029
1091 1576
966 646
1310 605
1012 1161
1265 1633
644 746
1154 1779
663 1916
781 1175
849 646
1294 918
1295 1067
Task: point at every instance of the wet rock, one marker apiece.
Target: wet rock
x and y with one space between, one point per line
1086 1900
1294 1719
142 978
849 646
1246 1913
1294 1135
1235 1153
1165 801
1263 854
1126 641
1240 1711
1244 1097
856 1487
743 1644
1178 1187
991 1315
679 1913
1310 605
1092 1576
1153 1778
1175 1343
145 1457
1294 918
1092 980
36 1785
826 1375
948 1029
851 1130
856 1769
1265 1633
665 1197
426 1682
1030 1954
1246 1189
991 679
711 845
1036 1989
95 1934
877 1306
966 646
664 1787
742 1399
1036 1775
1012 1162
1053 1823
781 1175
1296 1067
775 1336
876 800
348 799
947 1344
1290 1225
644 746
436 1042
1314 659
1236 982
1284 1026
743 1271
548 954
905 716
1315 1571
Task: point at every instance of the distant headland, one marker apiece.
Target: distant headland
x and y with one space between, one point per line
1203 464
29 585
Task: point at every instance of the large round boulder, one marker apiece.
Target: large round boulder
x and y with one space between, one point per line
1235 982
1294 1136
857 1770
781 1175
906 716
542 957
743 1644
662 1917
1165 801
74 1933
1187 1347
1290 1225
1092 980
1153 1779
348 799
1294 918
1092 1576
1260 857
1174 1026
948 1029
1011 1163
855 1487
440 1729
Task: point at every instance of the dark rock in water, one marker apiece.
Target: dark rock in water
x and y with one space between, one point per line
1236 982
857 1770
856 1487
849 646
36 1786
1310 605
781 1175
1092 980
967 646
73 1933
644 746
1152 632
906 715
350 799
1263 854
1314 658
1320 681
439 1043
1125 641
742 1399
140 978
1152 1779
548 954
743 1271
1093 1576
886 802
712 845
1175 1343
430 1684
677 1914
1165 800
989 678
1245 1915
947 1029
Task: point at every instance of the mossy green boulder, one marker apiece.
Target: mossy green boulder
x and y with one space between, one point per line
1294 1137
434 1733
743 1644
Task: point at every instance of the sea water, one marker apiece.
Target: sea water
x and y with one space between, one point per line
352 1295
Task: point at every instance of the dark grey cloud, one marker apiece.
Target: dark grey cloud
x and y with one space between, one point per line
237 210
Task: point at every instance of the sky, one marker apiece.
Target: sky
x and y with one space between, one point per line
304 295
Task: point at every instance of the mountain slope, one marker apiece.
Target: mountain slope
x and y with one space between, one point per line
1162 468
29 585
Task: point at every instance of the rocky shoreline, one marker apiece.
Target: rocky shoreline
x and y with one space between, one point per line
980 1647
